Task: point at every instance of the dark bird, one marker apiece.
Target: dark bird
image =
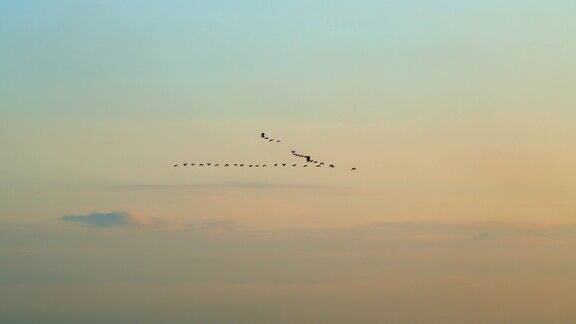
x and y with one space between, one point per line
216 164
208 164
235 164
270 140
275 164
263 165
175 165
184 164
262 135
331 165
293 151
293 165
257 165
193 164
353 169
305 165
308 159
318 165
201 164
226 165
241 165
278 141
283 164
250 166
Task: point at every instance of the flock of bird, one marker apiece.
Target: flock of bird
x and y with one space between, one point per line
264 137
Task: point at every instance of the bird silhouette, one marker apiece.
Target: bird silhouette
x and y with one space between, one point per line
278 141
250 166
193 164
332 166
262 135
175 165
276 164
353 169
293 151
293 165
216 165
226 165
201 164
184 164
283 164
305 165
241 165
263 165
270 140
235 164
208 164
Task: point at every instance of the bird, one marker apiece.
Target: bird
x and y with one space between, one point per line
241 165
305 165
331 165
318 165
257 165
262 135
235 164
283 164
293 151
353 169
175 165
208 164
201 164
293 165
263 165
308 159
250 165
275 164
278 141
226 165
184 164
270 140
193 164
216 164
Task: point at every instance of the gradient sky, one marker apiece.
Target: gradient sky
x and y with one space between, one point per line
458 114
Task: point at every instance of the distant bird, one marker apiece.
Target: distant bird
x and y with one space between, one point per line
184 164
293 151
283 164
250 165
308 159
193 164
293 165
208 164
353 169
318 165
262 135
226 165
175 165
216 164
263 165
275 164
270 140
235 164
257 165
305 165
201 164
278 141
331 165
241 165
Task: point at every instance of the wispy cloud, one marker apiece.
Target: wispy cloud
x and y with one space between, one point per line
216 185
114 219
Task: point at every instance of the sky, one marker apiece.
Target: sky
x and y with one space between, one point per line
458 115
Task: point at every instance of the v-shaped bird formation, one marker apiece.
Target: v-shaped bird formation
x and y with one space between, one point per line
309 161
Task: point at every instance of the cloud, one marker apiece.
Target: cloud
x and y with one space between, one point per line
114 219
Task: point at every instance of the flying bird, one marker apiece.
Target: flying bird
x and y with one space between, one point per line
175 165
262 135
353 169
331 165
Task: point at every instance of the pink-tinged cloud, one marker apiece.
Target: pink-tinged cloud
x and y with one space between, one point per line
114 219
